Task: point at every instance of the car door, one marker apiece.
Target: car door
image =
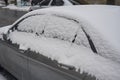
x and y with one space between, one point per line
13 61
26 64
51 26
35 25
11 57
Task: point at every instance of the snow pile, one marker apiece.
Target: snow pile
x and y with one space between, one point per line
71 54
13 7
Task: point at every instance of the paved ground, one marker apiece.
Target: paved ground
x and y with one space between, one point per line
7 17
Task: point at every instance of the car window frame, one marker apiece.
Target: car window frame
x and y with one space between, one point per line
89 39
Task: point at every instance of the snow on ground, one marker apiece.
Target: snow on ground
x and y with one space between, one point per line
1 5
71 54
26 8
2 78
19 8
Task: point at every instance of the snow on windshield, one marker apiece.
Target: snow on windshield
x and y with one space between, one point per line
71 54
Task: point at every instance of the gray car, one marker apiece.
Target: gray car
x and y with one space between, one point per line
62 43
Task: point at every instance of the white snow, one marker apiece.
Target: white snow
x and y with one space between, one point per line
34 23
19 8
67 3
70 54
55 34
2 78
54 26
4 30
101 22
1 5
26 8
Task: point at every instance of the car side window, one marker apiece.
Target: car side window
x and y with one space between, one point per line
65 29
54 26
62 28
33 24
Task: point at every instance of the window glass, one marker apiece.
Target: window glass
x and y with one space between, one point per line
62 28
33 24
65 29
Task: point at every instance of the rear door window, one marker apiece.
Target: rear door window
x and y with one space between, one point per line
33 24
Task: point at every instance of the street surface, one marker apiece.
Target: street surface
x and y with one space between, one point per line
7 17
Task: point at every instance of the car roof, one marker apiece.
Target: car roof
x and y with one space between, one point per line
102 18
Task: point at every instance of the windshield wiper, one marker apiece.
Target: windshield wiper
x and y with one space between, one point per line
90 41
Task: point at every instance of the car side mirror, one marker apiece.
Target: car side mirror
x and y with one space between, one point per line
5 37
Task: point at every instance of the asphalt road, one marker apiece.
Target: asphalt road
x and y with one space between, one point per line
7 17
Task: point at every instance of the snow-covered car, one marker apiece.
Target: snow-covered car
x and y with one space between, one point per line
63 43
38 4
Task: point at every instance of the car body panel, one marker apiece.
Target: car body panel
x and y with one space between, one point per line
35 70
25 68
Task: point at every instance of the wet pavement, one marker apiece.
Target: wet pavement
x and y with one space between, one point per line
7 17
